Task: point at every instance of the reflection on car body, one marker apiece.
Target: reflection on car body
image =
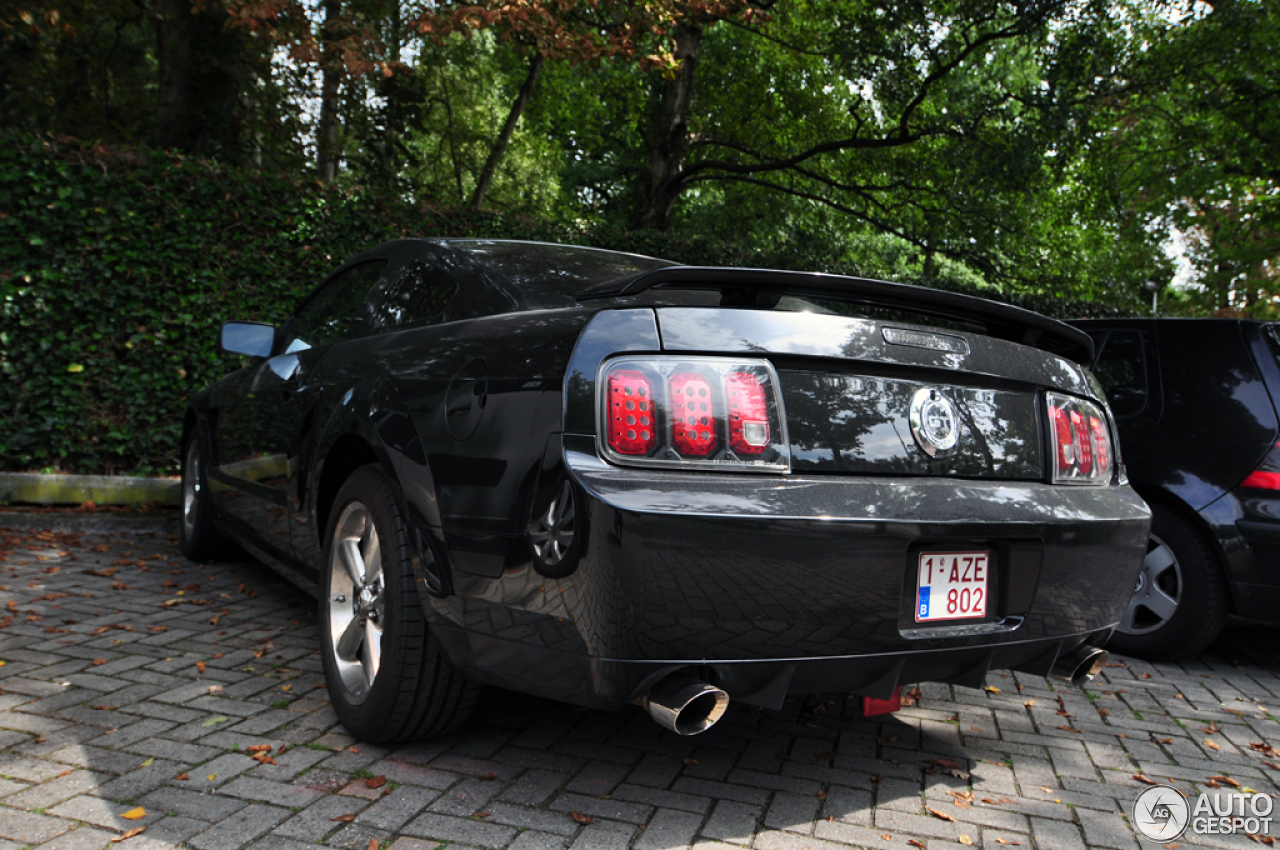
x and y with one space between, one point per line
605 478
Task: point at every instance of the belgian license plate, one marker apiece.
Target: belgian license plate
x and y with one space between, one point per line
952 586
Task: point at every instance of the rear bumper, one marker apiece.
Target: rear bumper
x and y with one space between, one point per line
776 585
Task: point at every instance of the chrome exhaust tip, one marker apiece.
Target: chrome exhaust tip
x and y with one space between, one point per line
685 705
1080 665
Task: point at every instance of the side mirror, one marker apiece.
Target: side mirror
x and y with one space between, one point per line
252 339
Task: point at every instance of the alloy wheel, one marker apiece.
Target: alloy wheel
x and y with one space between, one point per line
552 533
357 610
1158 592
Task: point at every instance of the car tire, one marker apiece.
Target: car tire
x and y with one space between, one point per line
1180 604
388 681
199 538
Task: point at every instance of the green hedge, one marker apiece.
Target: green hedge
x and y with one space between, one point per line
117 267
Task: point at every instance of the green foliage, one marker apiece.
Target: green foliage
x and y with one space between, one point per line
117 266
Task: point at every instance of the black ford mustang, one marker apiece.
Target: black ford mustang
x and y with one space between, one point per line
603 478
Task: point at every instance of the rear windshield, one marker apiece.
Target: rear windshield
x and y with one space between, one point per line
551 276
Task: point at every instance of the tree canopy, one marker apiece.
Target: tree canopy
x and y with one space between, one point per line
1053 147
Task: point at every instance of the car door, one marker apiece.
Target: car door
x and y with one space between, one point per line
254 481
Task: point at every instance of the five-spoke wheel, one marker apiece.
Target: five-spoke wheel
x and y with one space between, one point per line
356 601
388 681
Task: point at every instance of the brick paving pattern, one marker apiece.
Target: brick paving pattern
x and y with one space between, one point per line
182 705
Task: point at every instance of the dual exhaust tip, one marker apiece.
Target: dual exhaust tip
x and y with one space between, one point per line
687 705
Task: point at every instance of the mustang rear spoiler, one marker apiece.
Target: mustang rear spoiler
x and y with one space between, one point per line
765 286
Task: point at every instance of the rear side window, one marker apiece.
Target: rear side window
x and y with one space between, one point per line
327 315
1121 367
419 293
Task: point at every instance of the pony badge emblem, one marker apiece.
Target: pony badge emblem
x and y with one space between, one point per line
934 423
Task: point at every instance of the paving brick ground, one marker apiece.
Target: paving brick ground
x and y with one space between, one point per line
134 685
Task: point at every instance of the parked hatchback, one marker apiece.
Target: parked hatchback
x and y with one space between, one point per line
606 478
1196 403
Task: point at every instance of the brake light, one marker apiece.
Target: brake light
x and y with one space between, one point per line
1082 441
702 411
1267 475
632 429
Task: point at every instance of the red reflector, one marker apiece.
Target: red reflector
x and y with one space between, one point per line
1262 481
631 422
1083 443
693 415
871 707
1066 453
748 413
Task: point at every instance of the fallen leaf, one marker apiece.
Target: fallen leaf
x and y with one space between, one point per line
991 689
258 748
135 814
374 844
1006 841
1029 703
157 628
103 707
966 840
877 778
214 721
1211 745
1068 729
98 662
375 782
344 818
690 761
147 763
200 667
938 813
482 814
488 777
915 843
137 830
1225 780
182 777
1144 780
581 818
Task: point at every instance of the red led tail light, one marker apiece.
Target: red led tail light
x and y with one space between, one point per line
717 413
1101 442
632 428
1084 442
1081 438
692 415
748 413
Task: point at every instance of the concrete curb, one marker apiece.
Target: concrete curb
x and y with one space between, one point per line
31 488
91 522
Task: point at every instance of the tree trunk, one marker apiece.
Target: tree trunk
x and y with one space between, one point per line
499 148
668 137
175 98
327 132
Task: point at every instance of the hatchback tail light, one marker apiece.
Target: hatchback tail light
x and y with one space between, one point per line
1267 475
705 412
1082 450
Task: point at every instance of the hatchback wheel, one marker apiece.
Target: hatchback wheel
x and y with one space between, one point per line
200 541
387 680
1180 602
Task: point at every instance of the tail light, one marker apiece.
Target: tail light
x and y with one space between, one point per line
1267 475
705 412
1081 440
